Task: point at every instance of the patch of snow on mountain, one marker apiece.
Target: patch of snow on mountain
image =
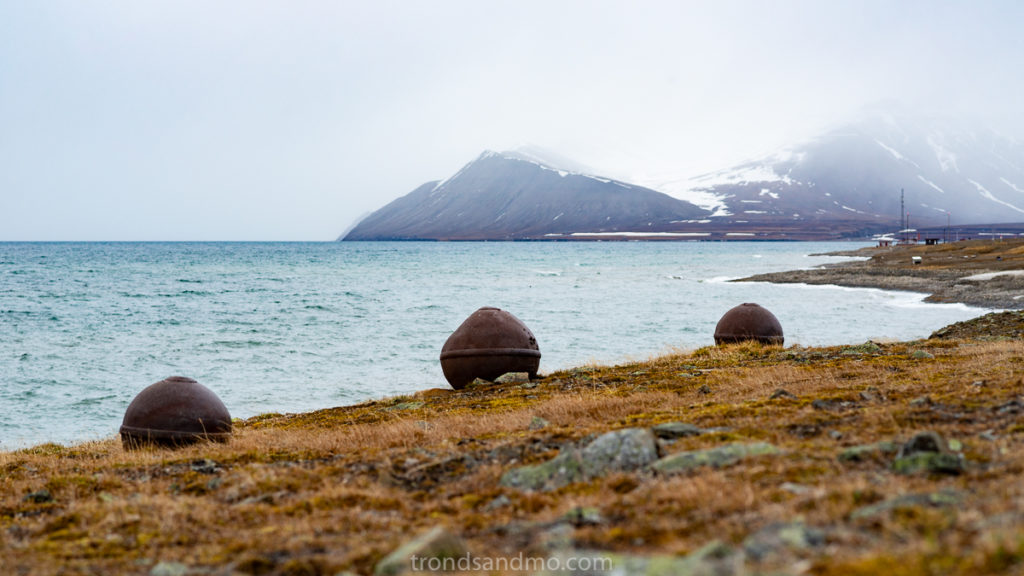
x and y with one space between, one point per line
767 192
930 183
755 212
851 209
740 175
892 151
1011 185
683 190
440 185
987 194
947 160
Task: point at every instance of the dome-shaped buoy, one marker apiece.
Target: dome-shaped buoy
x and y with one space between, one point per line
175 412
748 322
491 342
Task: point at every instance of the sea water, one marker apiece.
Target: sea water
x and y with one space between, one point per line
286 327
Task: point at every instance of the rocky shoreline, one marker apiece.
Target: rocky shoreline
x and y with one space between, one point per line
745 459
981 273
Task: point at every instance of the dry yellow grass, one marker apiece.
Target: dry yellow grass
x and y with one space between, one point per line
338 489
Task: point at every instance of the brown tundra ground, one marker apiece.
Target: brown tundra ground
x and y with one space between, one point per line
338 490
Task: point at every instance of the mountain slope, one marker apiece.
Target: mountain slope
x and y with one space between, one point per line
516 196
855 172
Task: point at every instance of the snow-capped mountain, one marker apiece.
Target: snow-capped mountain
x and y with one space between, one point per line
844 183
521 195
856 171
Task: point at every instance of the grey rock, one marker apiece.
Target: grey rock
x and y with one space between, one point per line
538 423
560 471
619 451
557 537
437 543
798 489
868 347
169 569
922 401
865 451
509 378
921 355
715 457
39 496
714 559
581 516
499 502
941 499
775 539
205 466
704 389
673 430
780 393
927 452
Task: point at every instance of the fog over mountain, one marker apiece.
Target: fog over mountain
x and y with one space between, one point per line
856 170
845 182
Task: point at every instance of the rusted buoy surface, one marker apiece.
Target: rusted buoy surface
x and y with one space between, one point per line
491 342
748 322
175 412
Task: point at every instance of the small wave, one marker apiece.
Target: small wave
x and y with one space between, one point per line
93 401
319 307
548 272
241 343
188 281
719 279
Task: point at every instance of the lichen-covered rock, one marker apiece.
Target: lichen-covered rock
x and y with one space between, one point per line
674 430
927 452
868 347
714 559
715 457
560 471
510 378
774 539
619 451
865 451
942 499
538 423
169 569
438 544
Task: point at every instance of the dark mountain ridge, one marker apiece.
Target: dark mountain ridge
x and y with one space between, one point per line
507 196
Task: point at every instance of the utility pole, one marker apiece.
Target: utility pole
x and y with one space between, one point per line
903 221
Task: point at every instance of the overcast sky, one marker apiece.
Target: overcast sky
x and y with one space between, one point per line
286 120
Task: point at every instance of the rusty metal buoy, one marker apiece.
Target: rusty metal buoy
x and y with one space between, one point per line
748 322
491 342
175 412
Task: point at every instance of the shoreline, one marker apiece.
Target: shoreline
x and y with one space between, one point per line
945 272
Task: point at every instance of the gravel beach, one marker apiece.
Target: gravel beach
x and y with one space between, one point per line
982 273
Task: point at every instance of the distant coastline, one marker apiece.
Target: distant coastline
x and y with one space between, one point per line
982 273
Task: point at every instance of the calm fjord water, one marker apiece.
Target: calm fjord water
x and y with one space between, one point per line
285 327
